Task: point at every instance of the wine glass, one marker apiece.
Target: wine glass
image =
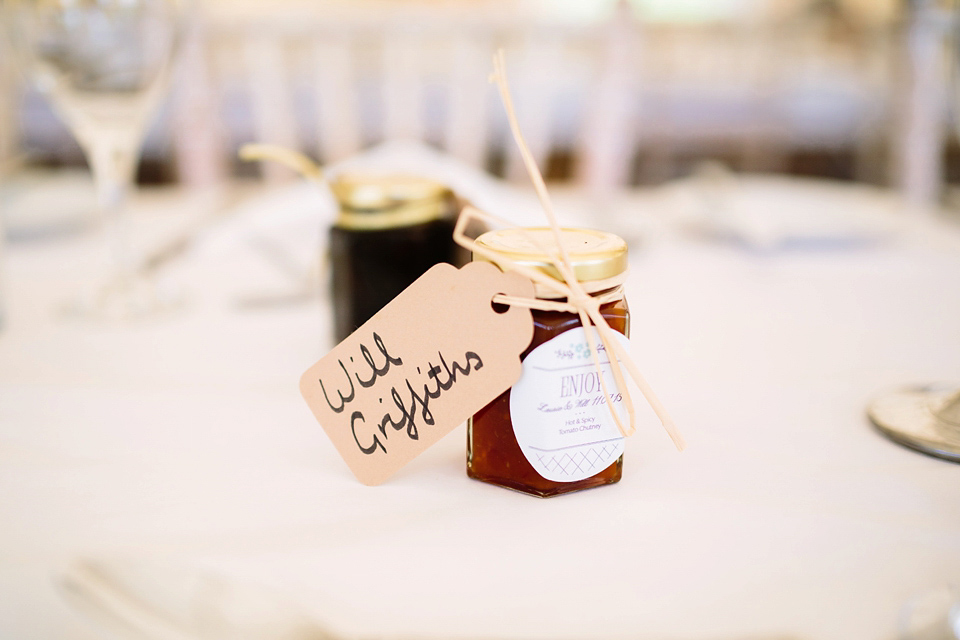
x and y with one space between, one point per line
104 65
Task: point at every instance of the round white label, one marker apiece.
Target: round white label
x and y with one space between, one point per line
560 415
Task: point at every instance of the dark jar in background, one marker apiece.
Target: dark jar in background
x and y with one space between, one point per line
389 231
552 432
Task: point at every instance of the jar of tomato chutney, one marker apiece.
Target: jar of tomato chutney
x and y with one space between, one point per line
553 431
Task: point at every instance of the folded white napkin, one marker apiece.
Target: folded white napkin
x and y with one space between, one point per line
304 207
771 213
275 241
157 601
43 203
150 600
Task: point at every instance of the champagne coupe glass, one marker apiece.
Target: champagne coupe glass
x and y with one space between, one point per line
104 65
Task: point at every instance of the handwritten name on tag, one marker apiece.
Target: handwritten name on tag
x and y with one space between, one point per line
430 359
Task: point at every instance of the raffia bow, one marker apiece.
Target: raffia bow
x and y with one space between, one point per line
577 298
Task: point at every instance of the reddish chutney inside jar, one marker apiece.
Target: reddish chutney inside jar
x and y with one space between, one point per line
493 452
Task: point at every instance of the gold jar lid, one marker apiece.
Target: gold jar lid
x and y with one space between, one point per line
371 202
597 257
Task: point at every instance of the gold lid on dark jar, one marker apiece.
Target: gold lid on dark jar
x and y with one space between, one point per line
370 202
599 259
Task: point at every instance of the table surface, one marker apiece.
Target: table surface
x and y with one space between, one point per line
184 439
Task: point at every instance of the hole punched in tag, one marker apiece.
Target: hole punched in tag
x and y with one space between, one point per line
499 307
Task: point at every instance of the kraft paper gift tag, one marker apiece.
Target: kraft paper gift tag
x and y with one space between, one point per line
426 362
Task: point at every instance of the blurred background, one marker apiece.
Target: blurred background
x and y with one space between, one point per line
610 93
770 163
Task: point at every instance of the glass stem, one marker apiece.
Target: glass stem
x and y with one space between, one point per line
113 164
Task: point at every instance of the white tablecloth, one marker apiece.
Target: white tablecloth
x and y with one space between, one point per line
184 439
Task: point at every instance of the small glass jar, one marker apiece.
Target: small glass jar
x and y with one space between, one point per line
390 230
552 432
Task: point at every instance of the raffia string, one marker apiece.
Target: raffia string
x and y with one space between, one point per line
578 300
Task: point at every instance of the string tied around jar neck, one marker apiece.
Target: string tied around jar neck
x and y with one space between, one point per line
587 306
578 300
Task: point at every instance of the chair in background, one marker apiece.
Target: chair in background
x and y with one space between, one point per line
334 84
332 79
9 115
922 132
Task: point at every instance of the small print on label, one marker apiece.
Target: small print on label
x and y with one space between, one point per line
560 414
